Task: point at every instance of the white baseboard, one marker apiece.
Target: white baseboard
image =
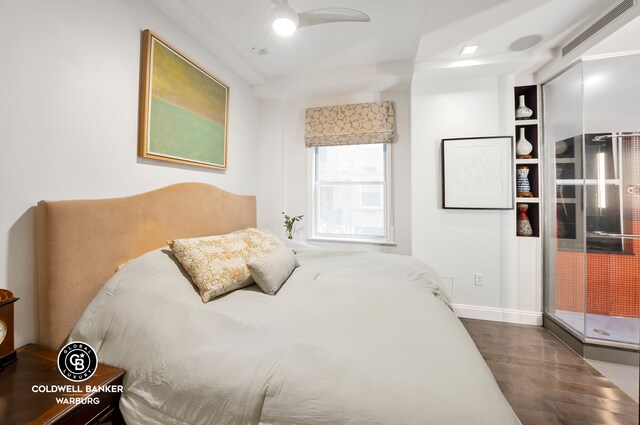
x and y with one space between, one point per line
498 314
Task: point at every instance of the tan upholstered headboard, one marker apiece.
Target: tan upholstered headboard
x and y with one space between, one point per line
81 243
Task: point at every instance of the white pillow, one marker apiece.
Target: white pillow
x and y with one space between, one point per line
272 270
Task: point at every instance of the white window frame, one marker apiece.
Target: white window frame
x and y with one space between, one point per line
389 238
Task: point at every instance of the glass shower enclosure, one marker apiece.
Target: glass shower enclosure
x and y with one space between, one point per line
592 200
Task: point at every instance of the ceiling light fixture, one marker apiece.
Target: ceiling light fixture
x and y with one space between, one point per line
284 19
467 50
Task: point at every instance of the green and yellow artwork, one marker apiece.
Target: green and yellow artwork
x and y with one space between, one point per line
185 112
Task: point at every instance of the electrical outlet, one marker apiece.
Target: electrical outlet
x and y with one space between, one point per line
479 279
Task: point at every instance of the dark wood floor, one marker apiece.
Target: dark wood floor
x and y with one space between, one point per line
545 382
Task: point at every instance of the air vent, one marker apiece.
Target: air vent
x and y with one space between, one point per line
609 17
260 52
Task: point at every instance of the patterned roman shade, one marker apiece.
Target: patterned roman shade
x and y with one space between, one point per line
352 124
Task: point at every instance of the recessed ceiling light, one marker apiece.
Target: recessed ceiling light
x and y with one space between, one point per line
467 50
526 42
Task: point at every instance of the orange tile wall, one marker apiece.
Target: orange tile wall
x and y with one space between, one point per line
613 281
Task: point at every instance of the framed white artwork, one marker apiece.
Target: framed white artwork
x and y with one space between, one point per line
478 173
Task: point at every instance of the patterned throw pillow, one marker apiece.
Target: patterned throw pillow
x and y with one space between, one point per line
218 264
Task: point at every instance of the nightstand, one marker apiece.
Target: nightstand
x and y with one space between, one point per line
36 366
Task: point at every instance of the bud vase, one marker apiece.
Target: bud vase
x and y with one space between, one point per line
561 147
524 226
523 187
523 146
522 113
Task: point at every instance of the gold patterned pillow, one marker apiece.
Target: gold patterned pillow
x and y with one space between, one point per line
218 264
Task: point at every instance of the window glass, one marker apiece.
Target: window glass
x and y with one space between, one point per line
350 187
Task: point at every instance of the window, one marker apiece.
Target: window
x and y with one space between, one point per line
350 193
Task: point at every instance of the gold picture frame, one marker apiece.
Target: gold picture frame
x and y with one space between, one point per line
184 110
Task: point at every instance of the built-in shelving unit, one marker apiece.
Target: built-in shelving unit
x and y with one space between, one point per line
532 132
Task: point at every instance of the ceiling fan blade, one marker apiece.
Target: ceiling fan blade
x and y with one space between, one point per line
330 15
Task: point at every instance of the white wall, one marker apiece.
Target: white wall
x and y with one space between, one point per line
459 243
284 166
69 116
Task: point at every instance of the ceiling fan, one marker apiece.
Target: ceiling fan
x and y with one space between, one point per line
285 20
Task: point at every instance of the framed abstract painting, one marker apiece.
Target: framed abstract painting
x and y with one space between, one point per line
477 173
184 110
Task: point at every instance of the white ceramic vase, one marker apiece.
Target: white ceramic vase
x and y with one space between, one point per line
523 112
561 147
523 146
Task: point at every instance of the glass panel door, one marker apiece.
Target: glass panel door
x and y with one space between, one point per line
564 239
612 182
592 199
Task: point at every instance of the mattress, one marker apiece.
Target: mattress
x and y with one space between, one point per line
351 338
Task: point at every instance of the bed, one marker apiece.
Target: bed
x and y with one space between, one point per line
351 337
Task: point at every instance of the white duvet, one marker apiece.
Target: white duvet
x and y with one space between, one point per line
351 338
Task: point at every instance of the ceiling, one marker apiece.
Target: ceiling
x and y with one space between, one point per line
429 33
392 35
493 29
547 18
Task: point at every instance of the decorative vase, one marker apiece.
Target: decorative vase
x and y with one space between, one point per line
561 228
523 146
561 147
523 187
524 226
522 113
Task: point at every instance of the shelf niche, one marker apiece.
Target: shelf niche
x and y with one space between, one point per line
530 100
531 133
533 181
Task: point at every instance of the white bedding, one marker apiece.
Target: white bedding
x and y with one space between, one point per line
351 338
